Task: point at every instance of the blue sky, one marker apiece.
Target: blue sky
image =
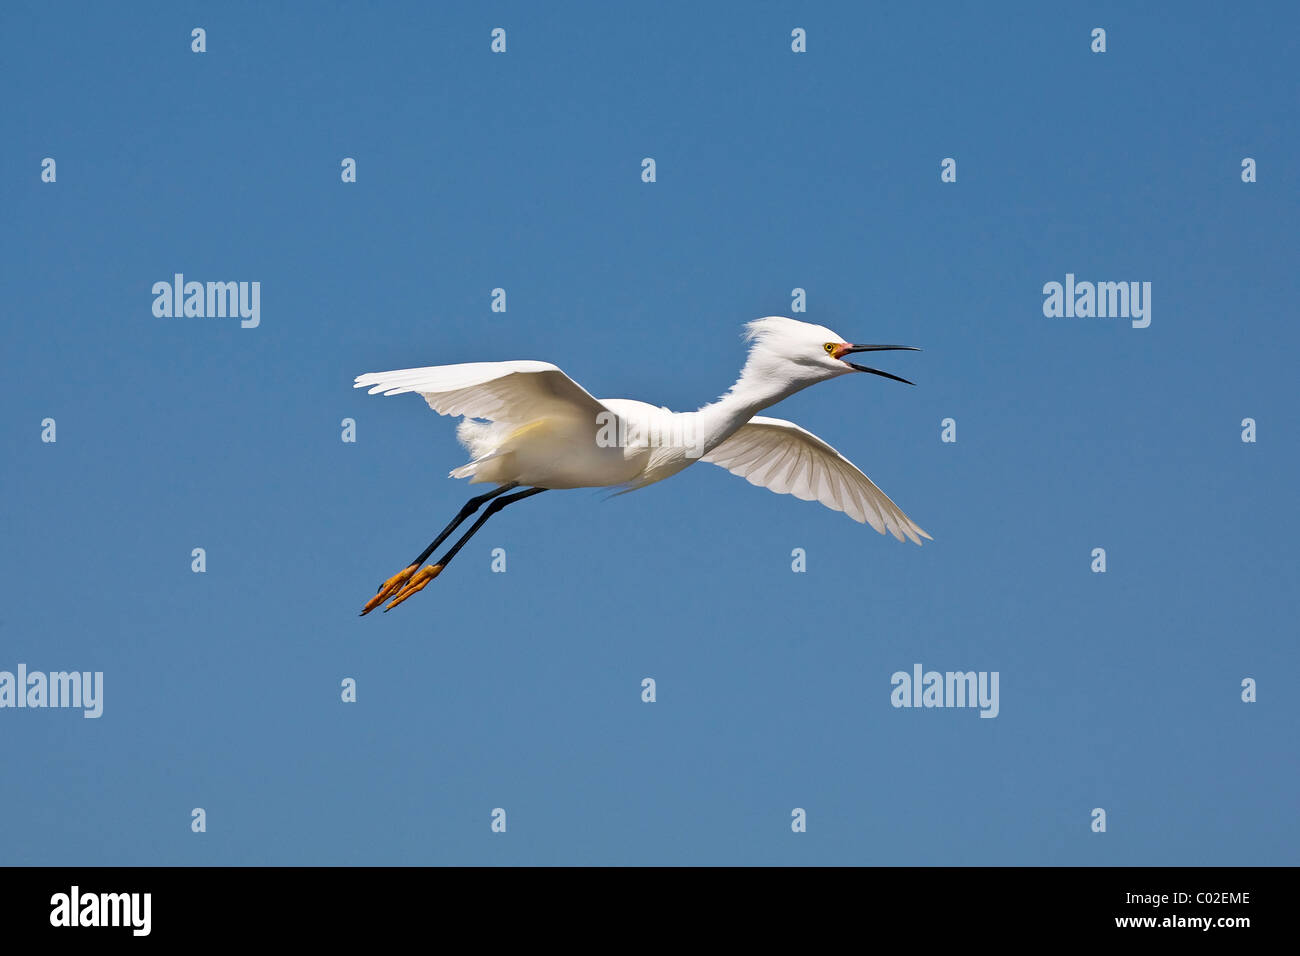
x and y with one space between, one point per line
521 690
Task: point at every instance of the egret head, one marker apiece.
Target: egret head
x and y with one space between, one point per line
801 352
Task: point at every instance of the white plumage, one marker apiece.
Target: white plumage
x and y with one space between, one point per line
527 422
782 457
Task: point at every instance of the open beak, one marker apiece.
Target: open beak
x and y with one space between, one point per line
847 349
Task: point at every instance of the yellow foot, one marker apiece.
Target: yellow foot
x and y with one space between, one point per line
389 588
416 584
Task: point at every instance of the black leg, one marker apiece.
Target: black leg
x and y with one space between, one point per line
491 510
466 510
431 571
398 580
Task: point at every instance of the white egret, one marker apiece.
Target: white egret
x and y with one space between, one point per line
528 425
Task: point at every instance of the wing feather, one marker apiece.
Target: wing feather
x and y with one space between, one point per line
779 455
511 392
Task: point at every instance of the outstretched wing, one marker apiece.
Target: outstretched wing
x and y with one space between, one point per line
513 392
782 457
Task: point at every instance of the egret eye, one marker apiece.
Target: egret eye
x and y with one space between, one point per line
829 347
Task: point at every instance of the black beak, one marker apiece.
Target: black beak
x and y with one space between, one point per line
877 348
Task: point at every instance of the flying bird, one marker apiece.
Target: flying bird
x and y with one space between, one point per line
529 426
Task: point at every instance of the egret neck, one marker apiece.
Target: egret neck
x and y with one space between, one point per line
762 383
